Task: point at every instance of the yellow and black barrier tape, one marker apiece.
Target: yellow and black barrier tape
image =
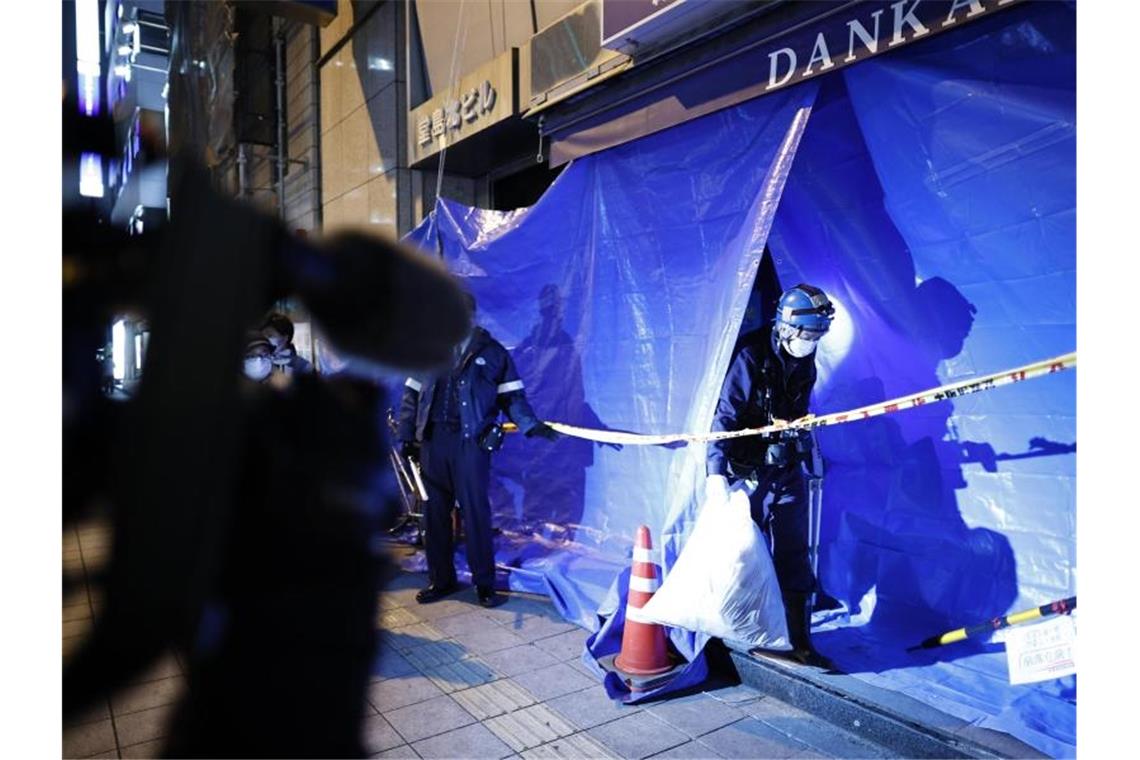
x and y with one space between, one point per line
941 393
1059 607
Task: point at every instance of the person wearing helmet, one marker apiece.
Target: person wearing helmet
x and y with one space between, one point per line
770 381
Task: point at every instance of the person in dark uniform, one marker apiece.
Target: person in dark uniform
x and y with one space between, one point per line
452 418
278 330
769 382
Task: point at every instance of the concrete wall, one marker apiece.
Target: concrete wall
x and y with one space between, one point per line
365 182
489 27
302 105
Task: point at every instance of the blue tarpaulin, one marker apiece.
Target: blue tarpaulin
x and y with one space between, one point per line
931 192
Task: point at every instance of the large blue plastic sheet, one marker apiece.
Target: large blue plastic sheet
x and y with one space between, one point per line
620 294
932 195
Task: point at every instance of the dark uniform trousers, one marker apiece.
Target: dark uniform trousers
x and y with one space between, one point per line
780 508
456 470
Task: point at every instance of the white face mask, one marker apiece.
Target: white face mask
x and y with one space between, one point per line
257 368
799 348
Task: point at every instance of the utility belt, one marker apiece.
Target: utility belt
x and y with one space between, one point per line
782 450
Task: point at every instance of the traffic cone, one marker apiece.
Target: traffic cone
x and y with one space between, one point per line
644 651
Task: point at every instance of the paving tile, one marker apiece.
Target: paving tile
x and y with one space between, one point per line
437 653
768 708
492 639
696 714
463 674
165 667
474 741
76 597
519 659
530 627
554 681
530 727
411 636
147 695
512 612
88 738
580 746
591 707
377 735
584 669
398 617
468 622
142 726
693 750
78 627
400 597
565 646
403 752
99 710
74 612
749 737
738 695
400 692
145 750
638 735
430 718
391 664
70 645
445 608
491 699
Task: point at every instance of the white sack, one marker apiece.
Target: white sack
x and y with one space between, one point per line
724 583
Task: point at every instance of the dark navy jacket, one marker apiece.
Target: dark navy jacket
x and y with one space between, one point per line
487 384
757 367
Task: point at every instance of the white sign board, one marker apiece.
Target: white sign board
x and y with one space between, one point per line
1042 651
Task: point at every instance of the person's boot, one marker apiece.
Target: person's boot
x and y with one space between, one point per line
798 615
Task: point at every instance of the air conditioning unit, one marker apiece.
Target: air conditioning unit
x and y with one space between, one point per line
567 56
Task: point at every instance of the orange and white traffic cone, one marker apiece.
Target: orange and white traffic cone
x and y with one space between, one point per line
644 651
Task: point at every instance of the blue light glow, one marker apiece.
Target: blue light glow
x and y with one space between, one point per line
87 55
119 349
91 175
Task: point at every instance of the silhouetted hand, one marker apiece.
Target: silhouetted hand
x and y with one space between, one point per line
611 445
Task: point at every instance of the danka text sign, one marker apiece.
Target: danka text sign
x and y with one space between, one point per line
867 30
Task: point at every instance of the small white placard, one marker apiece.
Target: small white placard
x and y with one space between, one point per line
1042 651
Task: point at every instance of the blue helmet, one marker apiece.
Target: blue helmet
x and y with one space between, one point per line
803 316
805 307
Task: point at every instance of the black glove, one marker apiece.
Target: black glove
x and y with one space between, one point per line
542 430
409 449
608 444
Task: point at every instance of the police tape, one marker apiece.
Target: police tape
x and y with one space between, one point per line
941 393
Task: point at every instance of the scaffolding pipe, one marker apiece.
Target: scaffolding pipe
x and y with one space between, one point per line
241 162
279 50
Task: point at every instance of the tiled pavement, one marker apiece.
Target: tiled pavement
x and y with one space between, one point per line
455 680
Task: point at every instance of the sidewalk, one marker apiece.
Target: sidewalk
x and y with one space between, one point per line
456 680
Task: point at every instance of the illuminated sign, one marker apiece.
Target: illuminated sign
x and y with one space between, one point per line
484 97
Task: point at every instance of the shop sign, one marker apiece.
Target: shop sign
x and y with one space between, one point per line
454 113
484 97
866 30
